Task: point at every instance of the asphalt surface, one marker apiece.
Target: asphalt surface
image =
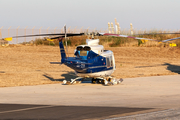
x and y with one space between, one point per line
144 98
23 111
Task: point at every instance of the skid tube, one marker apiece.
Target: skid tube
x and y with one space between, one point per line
105 81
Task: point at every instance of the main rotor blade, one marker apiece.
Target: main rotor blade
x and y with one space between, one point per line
155 33
170 39
118 35
68 34
57 35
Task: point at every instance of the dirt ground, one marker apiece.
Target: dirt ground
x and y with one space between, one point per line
29 65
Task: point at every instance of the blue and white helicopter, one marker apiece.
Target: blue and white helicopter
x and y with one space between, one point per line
91 60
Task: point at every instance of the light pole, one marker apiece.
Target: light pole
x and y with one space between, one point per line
55 29
47 33
40 32
8 32
81 29
47 29
1 34
33 32
75 29
25 34
69 29
94 30
62 30
17 34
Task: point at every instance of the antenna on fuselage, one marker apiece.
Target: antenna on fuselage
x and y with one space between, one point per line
92 36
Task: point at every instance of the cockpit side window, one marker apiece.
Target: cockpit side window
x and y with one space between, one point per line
109 61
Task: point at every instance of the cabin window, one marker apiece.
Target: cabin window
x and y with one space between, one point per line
109 61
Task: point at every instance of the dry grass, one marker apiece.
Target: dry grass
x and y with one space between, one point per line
29 65
109 41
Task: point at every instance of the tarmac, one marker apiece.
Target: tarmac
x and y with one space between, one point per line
143 98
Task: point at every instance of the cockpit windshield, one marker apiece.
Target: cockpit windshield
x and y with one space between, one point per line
83 51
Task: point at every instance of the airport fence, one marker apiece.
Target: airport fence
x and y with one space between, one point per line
19 31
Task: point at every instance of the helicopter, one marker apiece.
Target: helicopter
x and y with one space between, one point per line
91 60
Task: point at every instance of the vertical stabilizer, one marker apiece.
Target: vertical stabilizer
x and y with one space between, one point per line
62 51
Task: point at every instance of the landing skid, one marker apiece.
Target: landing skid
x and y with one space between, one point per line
105 81
73 81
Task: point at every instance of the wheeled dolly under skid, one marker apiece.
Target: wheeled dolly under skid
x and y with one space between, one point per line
107 81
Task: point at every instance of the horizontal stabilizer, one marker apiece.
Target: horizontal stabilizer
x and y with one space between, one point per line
55 62
50 39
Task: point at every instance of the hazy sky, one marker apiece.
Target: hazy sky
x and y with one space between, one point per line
143 14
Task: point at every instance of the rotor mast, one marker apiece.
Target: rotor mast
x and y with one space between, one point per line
66 39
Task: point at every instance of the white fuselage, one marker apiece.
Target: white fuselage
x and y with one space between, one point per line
99 49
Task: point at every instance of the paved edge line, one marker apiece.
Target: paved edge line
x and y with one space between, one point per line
32 108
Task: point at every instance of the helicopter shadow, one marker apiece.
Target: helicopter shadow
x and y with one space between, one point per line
173 68
170 67
67 76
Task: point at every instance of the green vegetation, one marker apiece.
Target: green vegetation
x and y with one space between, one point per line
139 42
